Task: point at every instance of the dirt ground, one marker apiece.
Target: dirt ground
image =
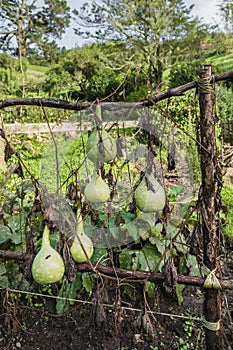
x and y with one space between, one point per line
94 326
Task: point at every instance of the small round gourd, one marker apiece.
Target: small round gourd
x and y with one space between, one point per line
97 191
48 266
101 150
150 200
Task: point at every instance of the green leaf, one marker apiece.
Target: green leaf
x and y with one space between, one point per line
158 242
132 229
99 254
127 216
181 245
73 288
143 260
157 229
125 258
17 225
147 218
63 304
150 289
2 269
88 282
179 290
54 239
3 282
174 191
193 265
5 234
151 256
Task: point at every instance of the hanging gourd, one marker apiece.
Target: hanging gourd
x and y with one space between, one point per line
97 191
150 195
82 246
100 146
48 266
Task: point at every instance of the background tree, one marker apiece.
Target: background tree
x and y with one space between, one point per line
151 28
226 12
26 24
92 71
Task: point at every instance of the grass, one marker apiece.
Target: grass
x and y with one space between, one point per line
39 69
223 62
227 196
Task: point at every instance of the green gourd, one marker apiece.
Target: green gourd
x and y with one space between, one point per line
101 151
100 146
76 249
48 266
150 198
97 191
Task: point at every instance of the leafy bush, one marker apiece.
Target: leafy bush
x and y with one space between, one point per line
184 73
227 196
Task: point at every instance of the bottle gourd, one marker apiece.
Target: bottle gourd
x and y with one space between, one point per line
150 198
48 266
81 242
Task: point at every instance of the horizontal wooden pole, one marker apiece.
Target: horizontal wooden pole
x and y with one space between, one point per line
78 106
131 275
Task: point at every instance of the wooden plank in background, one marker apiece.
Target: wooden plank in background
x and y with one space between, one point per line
38 128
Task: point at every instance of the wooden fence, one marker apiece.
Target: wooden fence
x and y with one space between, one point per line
209 201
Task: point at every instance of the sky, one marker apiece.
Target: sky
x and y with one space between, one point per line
206 9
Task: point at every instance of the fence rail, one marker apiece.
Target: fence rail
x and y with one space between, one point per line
69 127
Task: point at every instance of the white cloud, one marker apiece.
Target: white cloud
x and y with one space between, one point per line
206 9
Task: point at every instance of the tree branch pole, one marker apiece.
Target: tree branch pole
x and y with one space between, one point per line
131 275
78 106
208 204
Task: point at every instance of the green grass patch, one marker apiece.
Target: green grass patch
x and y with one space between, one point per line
39 69
223 62
227 196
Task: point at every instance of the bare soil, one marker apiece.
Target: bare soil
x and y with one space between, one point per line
98 327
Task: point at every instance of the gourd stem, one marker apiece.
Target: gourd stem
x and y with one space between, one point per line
98 112
79 227
45 237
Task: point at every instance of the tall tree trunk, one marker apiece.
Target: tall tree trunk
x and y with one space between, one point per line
20 40
19 35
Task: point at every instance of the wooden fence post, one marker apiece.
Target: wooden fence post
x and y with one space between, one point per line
210 206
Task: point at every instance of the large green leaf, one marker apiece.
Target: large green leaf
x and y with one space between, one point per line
2 269
5 234
3 282
88 282
151 257
99 254
150 289
17 225
142 260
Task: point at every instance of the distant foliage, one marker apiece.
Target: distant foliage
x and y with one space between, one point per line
183 73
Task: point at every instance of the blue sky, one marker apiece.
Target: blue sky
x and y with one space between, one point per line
206 9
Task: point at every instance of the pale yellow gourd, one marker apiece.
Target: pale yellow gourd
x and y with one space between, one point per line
150 200
82 246
48 266
97 191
